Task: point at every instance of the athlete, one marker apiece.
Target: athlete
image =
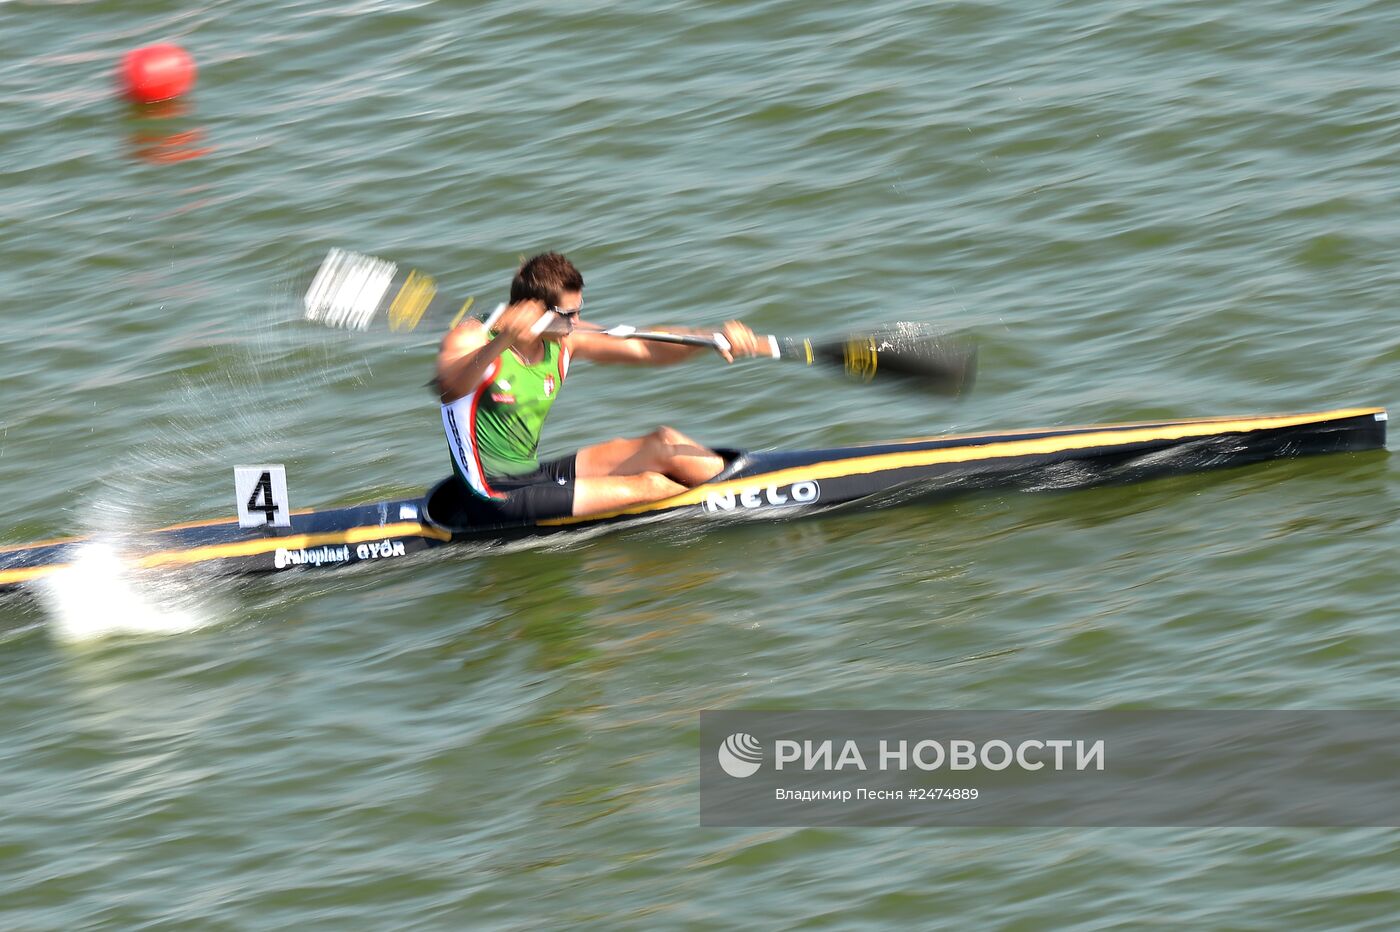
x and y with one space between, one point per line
497 386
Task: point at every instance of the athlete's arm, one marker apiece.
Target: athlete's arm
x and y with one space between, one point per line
468 350
583 344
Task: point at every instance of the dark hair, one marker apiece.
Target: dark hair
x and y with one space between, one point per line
546 277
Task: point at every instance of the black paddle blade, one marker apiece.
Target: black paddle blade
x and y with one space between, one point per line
351 291
938 363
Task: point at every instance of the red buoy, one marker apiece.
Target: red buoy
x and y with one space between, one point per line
157 72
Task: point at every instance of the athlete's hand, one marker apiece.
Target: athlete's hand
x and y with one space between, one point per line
742 341
523 320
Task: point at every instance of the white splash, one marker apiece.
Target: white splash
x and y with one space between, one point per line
96 597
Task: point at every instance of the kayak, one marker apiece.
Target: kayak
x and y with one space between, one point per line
757 485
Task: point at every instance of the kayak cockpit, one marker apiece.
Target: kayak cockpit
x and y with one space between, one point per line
446 504
452 506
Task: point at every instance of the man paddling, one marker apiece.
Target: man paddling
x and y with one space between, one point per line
498 384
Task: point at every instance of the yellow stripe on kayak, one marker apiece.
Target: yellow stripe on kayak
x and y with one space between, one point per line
15 577
41 543
1122 435
1117 425
245 548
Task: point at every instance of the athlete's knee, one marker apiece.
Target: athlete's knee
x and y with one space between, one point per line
666 435
671 442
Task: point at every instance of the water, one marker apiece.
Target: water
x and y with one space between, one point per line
1166 209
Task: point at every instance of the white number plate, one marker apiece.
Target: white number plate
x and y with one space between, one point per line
261 494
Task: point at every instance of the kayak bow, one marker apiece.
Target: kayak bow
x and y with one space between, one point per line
755 485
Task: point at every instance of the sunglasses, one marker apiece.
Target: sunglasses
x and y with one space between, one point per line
571 314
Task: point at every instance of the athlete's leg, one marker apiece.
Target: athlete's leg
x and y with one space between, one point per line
595 494
604 459
664 450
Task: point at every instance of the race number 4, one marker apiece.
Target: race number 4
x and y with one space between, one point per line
261 495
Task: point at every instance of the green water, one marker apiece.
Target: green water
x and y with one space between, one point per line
1165 209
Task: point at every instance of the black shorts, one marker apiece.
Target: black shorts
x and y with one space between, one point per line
548 492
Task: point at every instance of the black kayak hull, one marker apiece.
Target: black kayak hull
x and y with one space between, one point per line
768 485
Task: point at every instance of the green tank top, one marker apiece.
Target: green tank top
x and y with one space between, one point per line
510 409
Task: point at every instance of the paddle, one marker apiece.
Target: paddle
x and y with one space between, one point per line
941 364
351 291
